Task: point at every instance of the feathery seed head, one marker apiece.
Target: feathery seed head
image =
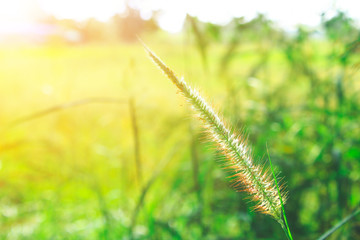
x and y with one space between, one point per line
247 176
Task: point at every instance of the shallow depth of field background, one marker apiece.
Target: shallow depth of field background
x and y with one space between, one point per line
96 143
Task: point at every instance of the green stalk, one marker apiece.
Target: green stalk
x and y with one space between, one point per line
339 224
287 230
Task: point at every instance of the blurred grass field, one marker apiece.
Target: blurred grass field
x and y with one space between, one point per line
71 174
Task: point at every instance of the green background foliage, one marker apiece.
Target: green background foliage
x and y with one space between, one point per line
84 172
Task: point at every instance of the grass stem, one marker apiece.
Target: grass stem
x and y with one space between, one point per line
339 224
287 229
135 128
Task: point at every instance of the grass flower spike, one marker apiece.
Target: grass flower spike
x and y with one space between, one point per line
246 175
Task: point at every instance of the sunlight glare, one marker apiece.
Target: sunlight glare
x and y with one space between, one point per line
83 9
17 10
171 14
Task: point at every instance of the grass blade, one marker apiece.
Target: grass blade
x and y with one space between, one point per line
287 230
339 224
60 107
135 128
